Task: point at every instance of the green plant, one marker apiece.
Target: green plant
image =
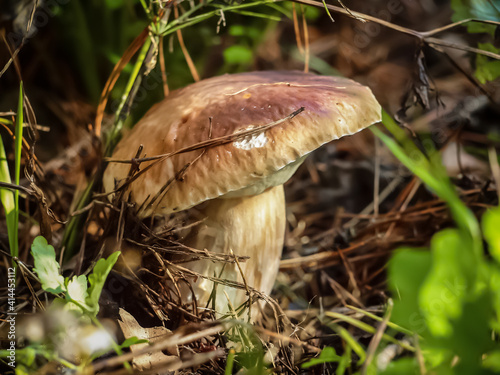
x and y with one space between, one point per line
246 351
327 355
75 308
10 198
76 294
448 295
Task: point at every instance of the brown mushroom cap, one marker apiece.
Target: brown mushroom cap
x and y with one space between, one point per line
224 105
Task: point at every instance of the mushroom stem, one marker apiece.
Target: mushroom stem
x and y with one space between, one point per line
252 226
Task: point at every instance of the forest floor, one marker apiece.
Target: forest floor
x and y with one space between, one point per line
349 206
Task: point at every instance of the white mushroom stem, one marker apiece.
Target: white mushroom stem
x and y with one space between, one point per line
252 226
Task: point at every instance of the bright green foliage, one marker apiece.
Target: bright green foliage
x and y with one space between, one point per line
442 293
97 279
46 266
76 290
448 295
327 355
492 361
407 366
79 298
132 341
407 271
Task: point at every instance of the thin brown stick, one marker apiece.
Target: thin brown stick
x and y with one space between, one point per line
377 337
113 77
13 55
244 283
307 52
287 339
349 12
189 61
424 36
445 43
163 69
178 338
438 30
296 29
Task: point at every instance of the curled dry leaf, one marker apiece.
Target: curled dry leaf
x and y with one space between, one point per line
130 328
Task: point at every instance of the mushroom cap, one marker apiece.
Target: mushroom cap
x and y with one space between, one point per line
225 105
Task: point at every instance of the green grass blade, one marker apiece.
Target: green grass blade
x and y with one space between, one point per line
115 132
257 15
380 319
229 362
7 197
432 173
367 328
352 343
18 147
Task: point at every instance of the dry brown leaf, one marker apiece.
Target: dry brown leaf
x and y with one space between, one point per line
130 327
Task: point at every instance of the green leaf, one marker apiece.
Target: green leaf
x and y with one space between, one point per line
46 266
491 224
352 343
487 69
26 356
238 54
407 271
327 355
346 360
408 366
132 341
495 288
492 361
438 357
97 280
442 293
472 334
77 291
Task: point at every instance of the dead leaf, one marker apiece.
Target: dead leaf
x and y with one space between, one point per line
130 327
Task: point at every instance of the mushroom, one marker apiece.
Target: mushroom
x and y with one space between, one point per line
273 121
